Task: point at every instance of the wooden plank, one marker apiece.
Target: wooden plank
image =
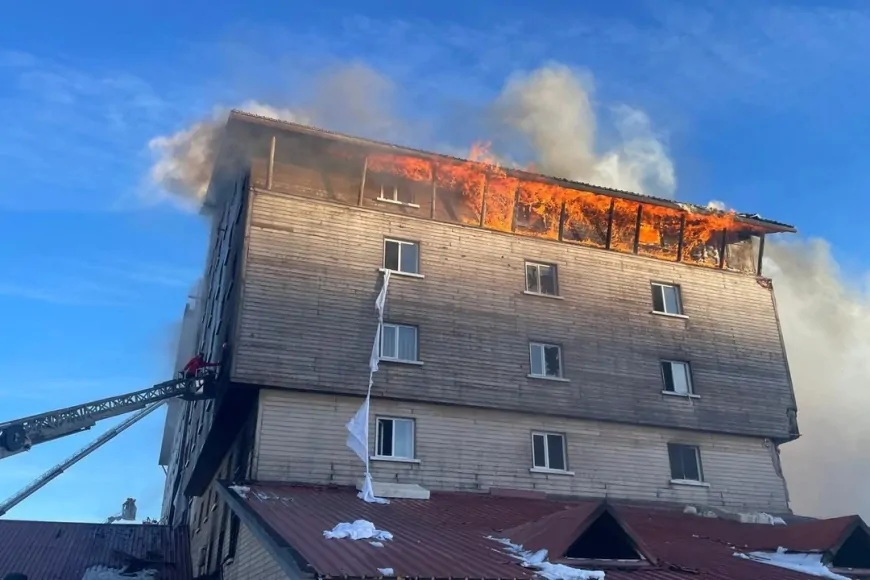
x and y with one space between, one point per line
472 450
312 277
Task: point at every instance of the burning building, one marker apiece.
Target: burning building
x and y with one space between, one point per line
540 337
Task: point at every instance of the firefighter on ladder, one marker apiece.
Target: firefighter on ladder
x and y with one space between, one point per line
193 367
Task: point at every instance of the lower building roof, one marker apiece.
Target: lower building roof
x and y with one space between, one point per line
464 535
78 551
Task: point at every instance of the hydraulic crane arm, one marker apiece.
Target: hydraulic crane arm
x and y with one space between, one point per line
49 475
21 434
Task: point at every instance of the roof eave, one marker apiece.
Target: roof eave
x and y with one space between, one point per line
238 116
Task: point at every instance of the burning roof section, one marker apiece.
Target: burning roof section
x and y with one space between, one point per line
73 551
474 535
480 192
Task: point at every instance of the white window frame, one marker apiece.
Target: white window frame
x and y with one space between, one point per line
537 266
544 346
396 358
401 243
698 465
395 193
546 435
378 450
678 295
687 367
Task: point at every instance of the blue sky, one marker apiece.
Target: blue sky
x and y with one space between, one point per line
761 105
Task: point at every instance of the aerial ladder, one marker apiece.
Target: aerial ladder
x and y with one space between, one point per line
21 435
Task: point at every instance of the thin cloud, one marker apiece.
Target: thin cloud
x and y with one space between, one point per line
66 129
108 283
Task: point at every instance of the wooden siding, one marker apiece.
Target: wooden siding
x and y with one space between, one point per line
215 311
301 438
307 321
252 561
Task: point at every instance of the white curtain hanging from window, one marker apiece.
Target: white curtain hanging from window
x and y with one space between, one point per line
358 426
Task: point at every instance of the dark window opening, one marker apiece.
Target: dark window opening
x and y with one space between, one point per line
548 451
235 522
401 256
677 377
855 551
603 540
685 462
666 299
222 535
541 279
545 360
395 438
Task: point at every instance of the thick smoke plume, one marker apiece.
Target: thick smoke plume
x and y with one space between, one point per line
826 327
550 112
354 99
551 109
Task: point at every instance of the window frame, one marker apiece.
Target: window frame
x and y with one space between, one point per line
698 464
400 243
690 379
395 192
378 448
678 296
544 346
546 467
398 326
537 265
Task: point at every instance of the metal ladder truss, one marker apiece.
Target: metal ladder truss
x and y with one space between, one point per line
21 434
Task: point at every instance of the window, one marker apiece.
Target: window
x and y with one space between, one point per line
546 360
399 343
677 377
666 299
685 462
541 279
396 438
389 193
548 451
401 256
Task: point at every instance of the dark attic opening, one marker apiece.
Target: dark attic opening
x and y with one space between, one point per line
604 539
855 551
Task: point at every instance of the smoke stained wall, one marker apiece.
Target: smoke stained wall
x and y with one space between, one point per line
549 112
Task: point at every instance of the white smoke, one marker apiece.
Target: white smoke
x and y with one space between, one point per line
353 98
552 110
183 160
826 328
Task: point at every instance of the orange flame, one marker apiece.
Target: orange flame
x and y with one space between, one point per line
535 208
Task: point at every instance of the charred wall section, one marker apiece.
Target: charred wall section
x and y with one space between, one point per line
483 194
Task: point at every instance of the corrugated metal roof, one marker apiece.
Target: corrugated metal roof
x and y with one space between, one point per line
63 551
446 536
523 174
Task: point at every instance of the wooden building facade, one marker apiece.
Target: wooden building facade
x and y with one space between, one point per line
542 335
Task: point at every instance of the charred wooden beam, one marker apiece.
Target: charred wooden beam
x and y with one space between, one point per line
434 192
270 172
722 245
610 223
637 227
516 209
760 254
483 201
562 215
362 183
680 241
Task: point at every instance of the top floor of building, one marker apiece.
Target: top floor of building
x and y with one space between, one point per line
478 192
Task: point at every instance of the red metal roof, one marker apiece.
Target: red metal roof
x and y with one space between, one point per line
63 551
446 536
